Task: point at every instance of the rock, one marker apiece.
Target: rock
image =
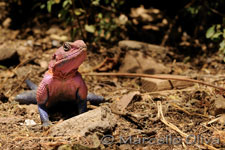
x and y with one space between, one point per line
43 64
4 9
138 62
7 74
55 43
62 38
120 106
100 120
54 30
154 50
6 23
151 85
219 107
131 45
22 71
29 122
145 15
22 50
30 43
7 50
88 143
222 119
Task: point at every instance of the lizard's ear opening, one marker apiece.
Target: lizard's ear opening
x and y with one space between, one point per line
66 46
54 56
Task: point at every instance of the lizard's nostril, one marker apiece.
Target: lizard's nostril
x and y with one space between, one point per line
85 46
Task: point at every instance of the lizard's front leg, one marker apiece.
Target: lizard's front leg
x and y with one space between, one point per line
43 115
42 98
82 103
81 94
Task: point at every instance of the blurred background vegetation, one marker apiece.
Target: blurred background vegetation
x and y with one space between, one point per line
192 26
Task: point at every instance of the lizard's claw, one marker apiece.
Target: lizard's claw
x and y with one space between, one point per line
46 124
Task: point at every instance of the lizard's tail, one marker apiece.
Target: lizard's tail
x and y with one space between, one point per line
27 97
95 99
31 85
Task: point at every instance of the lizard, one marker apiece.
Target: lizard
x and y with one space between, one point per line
61 82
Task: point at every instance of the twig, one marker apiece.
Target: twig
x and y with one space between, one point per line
45 137
14 70
214 10
86 17
159 105
166 36
185 111
78 20
106 8
172 126
163 77
213 120
24 62
18 85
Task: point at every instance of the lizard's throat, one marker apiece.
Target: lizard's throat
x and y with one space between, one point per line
63 75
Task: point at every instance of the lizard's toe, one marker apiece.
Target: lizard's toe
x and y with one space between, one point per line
46 124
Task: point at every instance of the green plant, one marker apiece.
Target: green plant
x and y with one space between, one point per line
93 20
217 33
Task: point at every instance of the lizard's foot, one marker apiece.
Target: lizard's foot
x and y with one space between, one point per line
46 124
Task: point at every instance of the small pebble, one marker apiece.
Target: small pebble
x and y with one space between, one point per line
29 122
29 43
55 43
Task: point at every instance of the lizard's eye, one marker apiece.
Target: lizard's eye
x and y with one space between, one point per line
66 46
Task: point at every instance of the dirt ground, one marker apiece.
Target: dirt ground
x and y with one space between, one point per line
172 119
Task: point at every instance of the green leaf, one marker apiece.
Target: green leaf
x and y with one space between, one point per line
62 14
186 59
193 10
3 67
100 15
107 1
210 32
95 2
121 2
216 35
49 5
224 33
79 11
42 6
218 26
66 2
59 15
90 28
107 35
222 46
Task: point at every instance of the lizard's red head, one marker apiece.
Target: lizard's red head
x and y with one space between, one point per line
68 57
